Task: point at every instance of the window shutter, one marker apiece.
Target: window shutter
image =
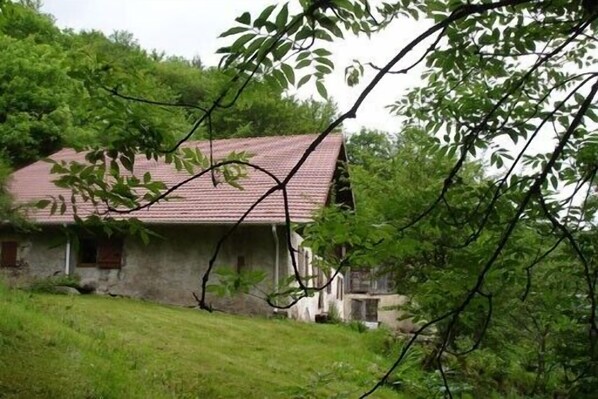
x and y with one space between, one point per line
301 262
110 253
308 271
9 254
319 276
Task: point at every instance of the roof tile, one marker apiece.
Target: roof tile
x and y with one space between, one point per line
201 202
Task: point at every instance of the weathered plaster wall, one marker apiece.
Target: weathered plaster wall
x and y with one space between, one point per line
307 308
39 254
170 268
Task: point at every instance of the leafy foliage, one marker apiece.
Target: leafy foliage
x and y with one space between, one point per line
466 209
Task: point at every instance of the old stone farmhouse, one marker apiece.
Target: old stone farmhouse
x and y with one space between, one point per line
169 269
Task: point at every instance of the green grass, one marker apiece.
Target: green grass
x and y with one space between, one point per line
54 346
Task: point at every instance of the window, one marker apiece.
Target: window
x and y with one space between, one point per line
88 252
382 283
359 281
9 254
339 289
320 277
329 286
103 253
371 310
364 309
369 281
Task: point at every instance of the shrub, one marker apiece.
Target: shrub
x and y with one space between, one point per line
357 326
334 315
48 284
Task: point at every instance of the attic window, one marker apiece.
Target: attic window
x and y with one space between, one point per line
103 253
8 254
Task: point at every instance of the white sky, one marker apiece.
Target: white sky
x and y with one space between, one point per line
191 27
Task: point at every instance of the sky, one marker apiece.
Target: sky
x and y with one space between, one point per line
191 27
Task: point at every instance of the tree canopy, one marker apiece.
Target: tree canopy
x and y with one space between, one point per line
64 88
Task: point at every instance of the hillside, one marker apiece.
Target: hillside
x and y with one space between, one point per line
54 346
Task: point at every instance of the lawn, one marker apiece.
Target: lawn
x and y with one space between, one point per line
54 346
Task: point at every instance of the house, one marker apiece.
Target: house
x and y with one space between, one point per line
371 297
170 268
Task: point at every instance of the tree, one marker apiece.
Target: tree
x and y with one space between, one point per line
72 89
527 325
499 76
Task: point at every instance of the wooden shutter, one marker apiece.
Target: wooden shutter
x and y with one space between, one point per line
301 262
308 271
110 253
339 288
9 254
319 276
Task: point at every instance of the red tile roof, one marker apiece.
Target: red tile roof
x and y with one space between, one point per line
201 202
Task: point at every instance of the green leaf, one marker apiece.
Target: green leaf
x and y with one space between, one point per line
280 78
289 73
281 18
240 42
254 46
323 69
233 31
325 61
303 80
41 204
245 18
322 52
126 162
303 64
321 89
554 181
282 50
264 16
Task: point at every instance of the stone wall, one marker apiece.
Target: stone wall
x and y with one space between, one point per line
170 268
39 254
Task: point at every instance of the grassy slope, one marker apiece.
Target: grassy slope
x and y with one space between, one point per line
97 347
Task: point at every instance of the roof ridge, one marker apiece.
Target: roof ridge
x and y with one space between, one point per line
297 135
